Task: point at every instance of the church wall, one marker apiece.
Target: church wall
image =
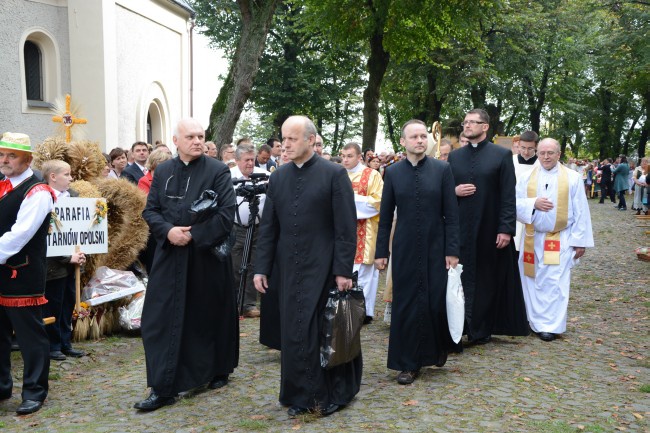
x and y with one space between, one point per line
16 18
152 58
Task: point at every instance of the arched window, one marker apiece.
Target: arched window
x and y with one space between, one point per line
40 70
33 71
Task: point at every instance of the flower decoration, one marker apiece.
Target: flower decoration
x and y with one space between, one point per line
101 210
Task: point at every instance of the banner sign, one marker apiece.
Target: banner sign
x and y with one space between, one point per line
78 221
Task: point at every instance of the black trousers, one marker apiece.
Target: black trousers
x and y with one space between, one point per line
621 200
27 322
60 294
607 190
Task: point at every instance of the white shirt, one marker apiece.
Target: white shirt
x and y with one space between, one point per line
33 211
242 206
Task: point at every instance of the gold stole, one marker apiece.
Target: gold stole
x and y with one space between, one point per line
552 239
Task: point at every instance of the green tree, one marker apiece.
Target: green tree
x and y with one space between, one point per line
248 22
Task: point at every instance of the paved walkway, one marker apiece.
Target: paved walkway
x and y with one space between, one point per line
589 381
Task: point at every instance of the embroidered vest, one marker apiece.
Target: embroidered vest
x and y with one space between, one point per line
23 276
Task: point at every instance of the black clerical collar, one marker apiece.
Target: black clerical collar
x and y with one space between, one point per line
530 161
479 144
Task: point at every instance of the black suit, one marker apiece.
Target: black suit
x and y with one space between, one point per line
606 183
132 173
270 163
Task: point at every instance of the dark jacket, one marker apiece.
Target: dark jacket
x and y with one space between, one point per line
132 173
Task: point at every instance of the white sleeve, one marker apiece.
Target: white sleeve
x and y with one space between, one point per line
581 234
365 210
33 211
525 205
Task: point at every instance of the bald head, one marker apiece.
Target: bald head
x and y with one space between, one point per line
298 137
548 153
189 138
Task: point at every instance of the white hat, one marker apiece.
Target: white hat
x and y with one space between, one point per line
16 141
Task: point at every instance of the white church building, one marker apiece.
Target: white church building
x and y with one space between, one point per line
126 63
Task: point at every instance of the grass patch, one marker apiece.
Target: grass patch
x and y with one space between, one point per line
2 424
645 387
54 376
552 427
253 424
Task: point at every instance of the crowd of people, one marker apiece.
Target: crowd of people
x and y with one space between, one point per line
518 221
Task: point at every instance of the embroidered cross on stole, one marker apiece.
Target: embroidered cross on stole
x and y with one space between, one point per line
552 239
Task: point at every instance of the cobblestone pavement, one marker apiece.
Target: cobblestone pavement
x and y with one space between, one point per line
590 380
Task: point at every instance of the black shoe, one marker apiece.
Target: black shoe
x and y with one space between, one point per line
57 355
73 353
330 409
295 411
367 320
14 346
5 396
484 340
153 402
442 360
407 377
218 382
29 406
622 208
546 336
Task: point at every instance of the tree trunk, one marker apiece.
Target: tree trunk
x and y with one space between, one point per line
377 65
226 110
628 136
643 139
605 145
391 127
434 101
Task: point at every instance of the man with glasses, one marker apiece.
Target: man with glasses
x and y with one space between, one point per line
552 203
190 328
485 186
524 163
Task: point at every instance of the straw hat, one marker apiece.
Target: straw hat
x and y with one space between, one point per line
16 141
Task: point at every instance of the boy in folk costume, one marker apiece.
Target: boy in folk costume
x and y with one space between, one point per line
25 206
60 287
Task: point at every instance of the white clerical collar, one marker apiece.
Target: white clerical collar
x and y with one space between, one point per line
474 145
303 163
16 180
552 170
359 167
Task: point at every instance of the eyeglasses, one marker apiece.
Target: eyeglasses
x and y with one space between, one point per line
187 185
472 122
549 153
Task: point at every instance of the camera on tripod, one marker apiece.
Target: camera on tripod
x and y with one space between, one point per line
252 187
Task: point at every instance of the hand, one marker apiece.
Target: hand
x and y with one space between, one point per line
465 190
179 236
503 240
78 258
451 261
580 251
543 204
261 283
381 264
343 283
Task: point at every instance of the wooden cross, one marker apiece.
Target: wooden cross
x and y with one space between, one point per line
68 120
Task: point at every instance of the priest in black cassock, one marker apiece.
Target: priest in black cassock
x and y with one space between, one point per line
190 327
485 187
426 244
310 223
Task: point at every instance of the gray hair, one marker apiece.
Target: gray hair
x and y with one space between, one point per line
244 149
551 140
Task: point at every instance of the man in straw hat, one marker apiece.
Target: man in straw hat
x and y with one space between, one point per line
25 206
